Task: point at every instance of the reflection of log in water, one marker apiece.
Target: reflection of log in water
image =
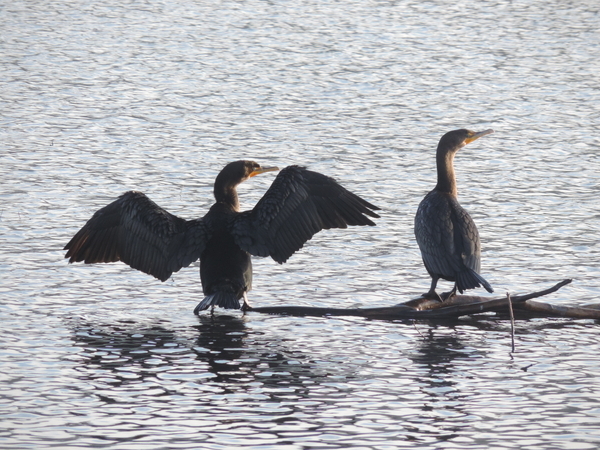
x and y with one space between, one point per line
457 306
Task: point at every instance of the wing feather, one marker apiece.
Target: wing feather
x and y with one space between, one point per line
298 204
441 227
137 231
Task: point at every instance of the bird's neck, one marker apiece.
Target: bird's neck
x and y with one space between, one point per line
227 195
445 173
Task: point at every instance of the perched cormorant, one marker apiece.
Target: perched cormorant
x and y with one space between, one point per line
299 203
445 232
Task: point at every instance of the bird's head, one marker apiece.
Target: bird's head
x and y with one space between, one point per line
233 174
239 171
457 139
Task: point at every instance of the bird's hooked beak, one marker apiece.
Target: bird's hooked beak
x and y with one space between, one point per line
475 136
262 170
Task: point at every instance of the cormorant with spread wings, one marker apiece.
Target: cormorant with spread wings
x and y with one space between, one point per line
299 203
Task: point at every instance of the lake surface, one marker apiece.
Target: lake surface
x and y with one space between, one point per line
99 98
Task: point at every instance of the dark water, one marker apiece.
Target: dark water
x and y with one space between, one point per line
102 97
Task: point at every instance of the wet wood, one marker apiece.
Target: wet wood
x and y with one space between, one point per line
457 306
575 312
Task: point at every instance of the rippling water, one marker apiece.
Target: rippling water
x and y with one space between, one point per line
102 97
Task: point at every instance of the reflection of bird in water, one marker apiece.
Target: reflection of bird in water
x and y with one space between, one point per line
299 203
446 234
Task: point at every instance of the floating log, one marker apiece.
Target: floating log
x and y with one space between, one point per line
459 305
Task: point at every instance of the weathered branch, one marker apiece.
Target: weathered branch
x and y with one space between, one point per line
457 306
575 312
512 323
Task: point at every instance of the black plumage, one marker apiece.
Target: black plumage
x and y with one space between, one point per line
446 234
299 203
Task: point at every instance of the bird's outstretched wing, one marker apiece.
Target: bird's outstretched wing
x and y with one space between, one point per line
298 204
137 231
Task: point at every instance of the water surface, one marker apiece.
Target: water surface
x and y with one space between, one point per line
100 98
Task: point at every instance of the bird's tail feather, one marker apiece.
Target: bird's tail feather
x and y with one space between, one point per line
470 279
227 300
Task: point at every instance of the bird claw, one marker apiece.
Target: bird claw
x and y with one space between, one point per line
246 306
432 296
447 295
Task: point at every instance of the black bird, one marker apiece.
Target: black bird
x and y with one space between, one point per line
445 232
299 203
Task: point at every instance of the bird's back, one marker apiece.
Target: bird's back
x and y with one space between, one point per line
447 236
223 264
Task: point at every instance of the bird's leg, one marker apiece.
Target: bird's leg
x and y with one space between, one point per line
452 293
432 295
246 306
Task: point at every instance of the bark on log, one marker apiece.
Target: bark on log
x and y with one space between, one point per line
546 309
457 306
